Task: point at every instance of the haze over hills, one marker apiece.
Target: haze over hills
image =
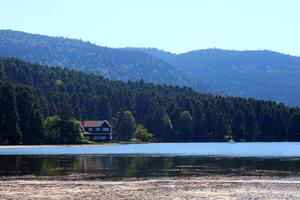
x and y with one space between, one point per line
115 64
258 74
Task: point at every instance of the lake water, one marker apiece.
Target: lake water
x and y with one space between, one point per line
152 160
257 149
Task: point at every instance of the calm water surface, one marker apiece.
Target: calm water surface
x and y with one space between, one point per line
153 160
257 149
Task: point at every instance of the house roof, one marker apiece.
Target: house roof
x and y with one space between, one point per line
94 123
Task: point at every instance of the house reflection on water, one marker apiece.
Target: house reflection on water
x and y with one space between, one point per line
96 164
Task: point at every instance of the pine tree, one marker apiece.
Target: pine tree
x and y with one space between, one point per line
167 128
9 129
186 125
125 125
104 108
294 127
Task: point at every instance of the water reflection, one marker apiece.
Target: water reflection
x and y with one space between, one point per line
143 166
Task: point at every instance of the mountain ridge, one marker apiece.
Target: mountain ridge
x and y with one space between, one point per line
260 74
112 63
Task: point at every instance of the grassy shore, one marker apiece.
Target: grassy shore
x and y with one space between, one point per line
216 187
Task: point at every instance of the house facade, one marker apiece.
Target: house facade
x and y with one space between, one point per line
97 130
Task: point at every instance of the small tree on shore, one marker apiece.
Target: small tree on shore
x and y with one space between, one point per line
141 134
62 131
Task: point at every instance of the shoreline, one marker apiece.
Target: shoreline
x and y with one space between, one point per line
55 145
214 187
125 143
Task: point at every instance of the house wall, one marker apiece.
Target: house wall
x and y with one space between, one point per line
99 137
103 129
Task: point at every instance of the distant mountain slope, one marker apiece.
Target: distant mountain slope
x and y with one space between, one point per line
116 64
258 74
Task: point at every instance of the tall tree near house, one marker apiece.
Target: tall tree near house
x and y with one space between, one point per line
30 119
9 129
66 112
62 131
124 125
104 108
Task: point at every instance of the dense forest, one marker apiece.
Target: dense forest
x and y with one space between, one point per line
263 75
112 63
259 74
21 121
170 113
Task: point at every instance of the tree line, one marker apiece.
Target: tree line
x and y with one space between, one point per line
21 121
170 113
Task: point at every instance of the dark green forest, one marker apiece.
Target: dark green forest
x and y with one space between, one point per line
259 74
170 113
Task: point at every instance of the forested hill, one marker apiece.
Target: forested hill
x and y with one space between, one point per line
260 74
169 112
115 64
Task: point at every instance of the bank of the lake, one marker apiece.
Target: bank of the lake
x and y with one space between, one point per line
151 171
220 187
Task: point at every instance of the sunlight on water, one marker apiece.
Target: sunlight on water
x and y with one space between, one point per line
280 149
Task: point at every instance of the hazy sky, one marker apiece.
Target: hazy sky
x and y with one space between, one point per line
172 25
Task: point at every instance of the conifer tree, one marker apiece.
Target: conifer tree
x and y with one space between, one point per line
9 125
30 119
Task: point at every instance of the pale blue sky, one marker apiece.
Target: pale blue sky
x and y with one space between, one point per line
172 25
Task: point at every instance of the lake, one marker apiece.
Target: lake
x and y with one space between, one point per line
255 149
152 160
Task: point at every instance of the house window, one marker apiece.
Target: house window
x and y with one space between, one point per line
105 129
97 129
90 129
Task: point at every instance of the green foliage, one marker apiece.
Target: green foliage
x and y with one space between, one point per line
30 120
168 122
171 113
62 131
124 125
66 112
116 64
258 74
9 127
52 131
167 128
186 125
294 126
141 134
58 83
